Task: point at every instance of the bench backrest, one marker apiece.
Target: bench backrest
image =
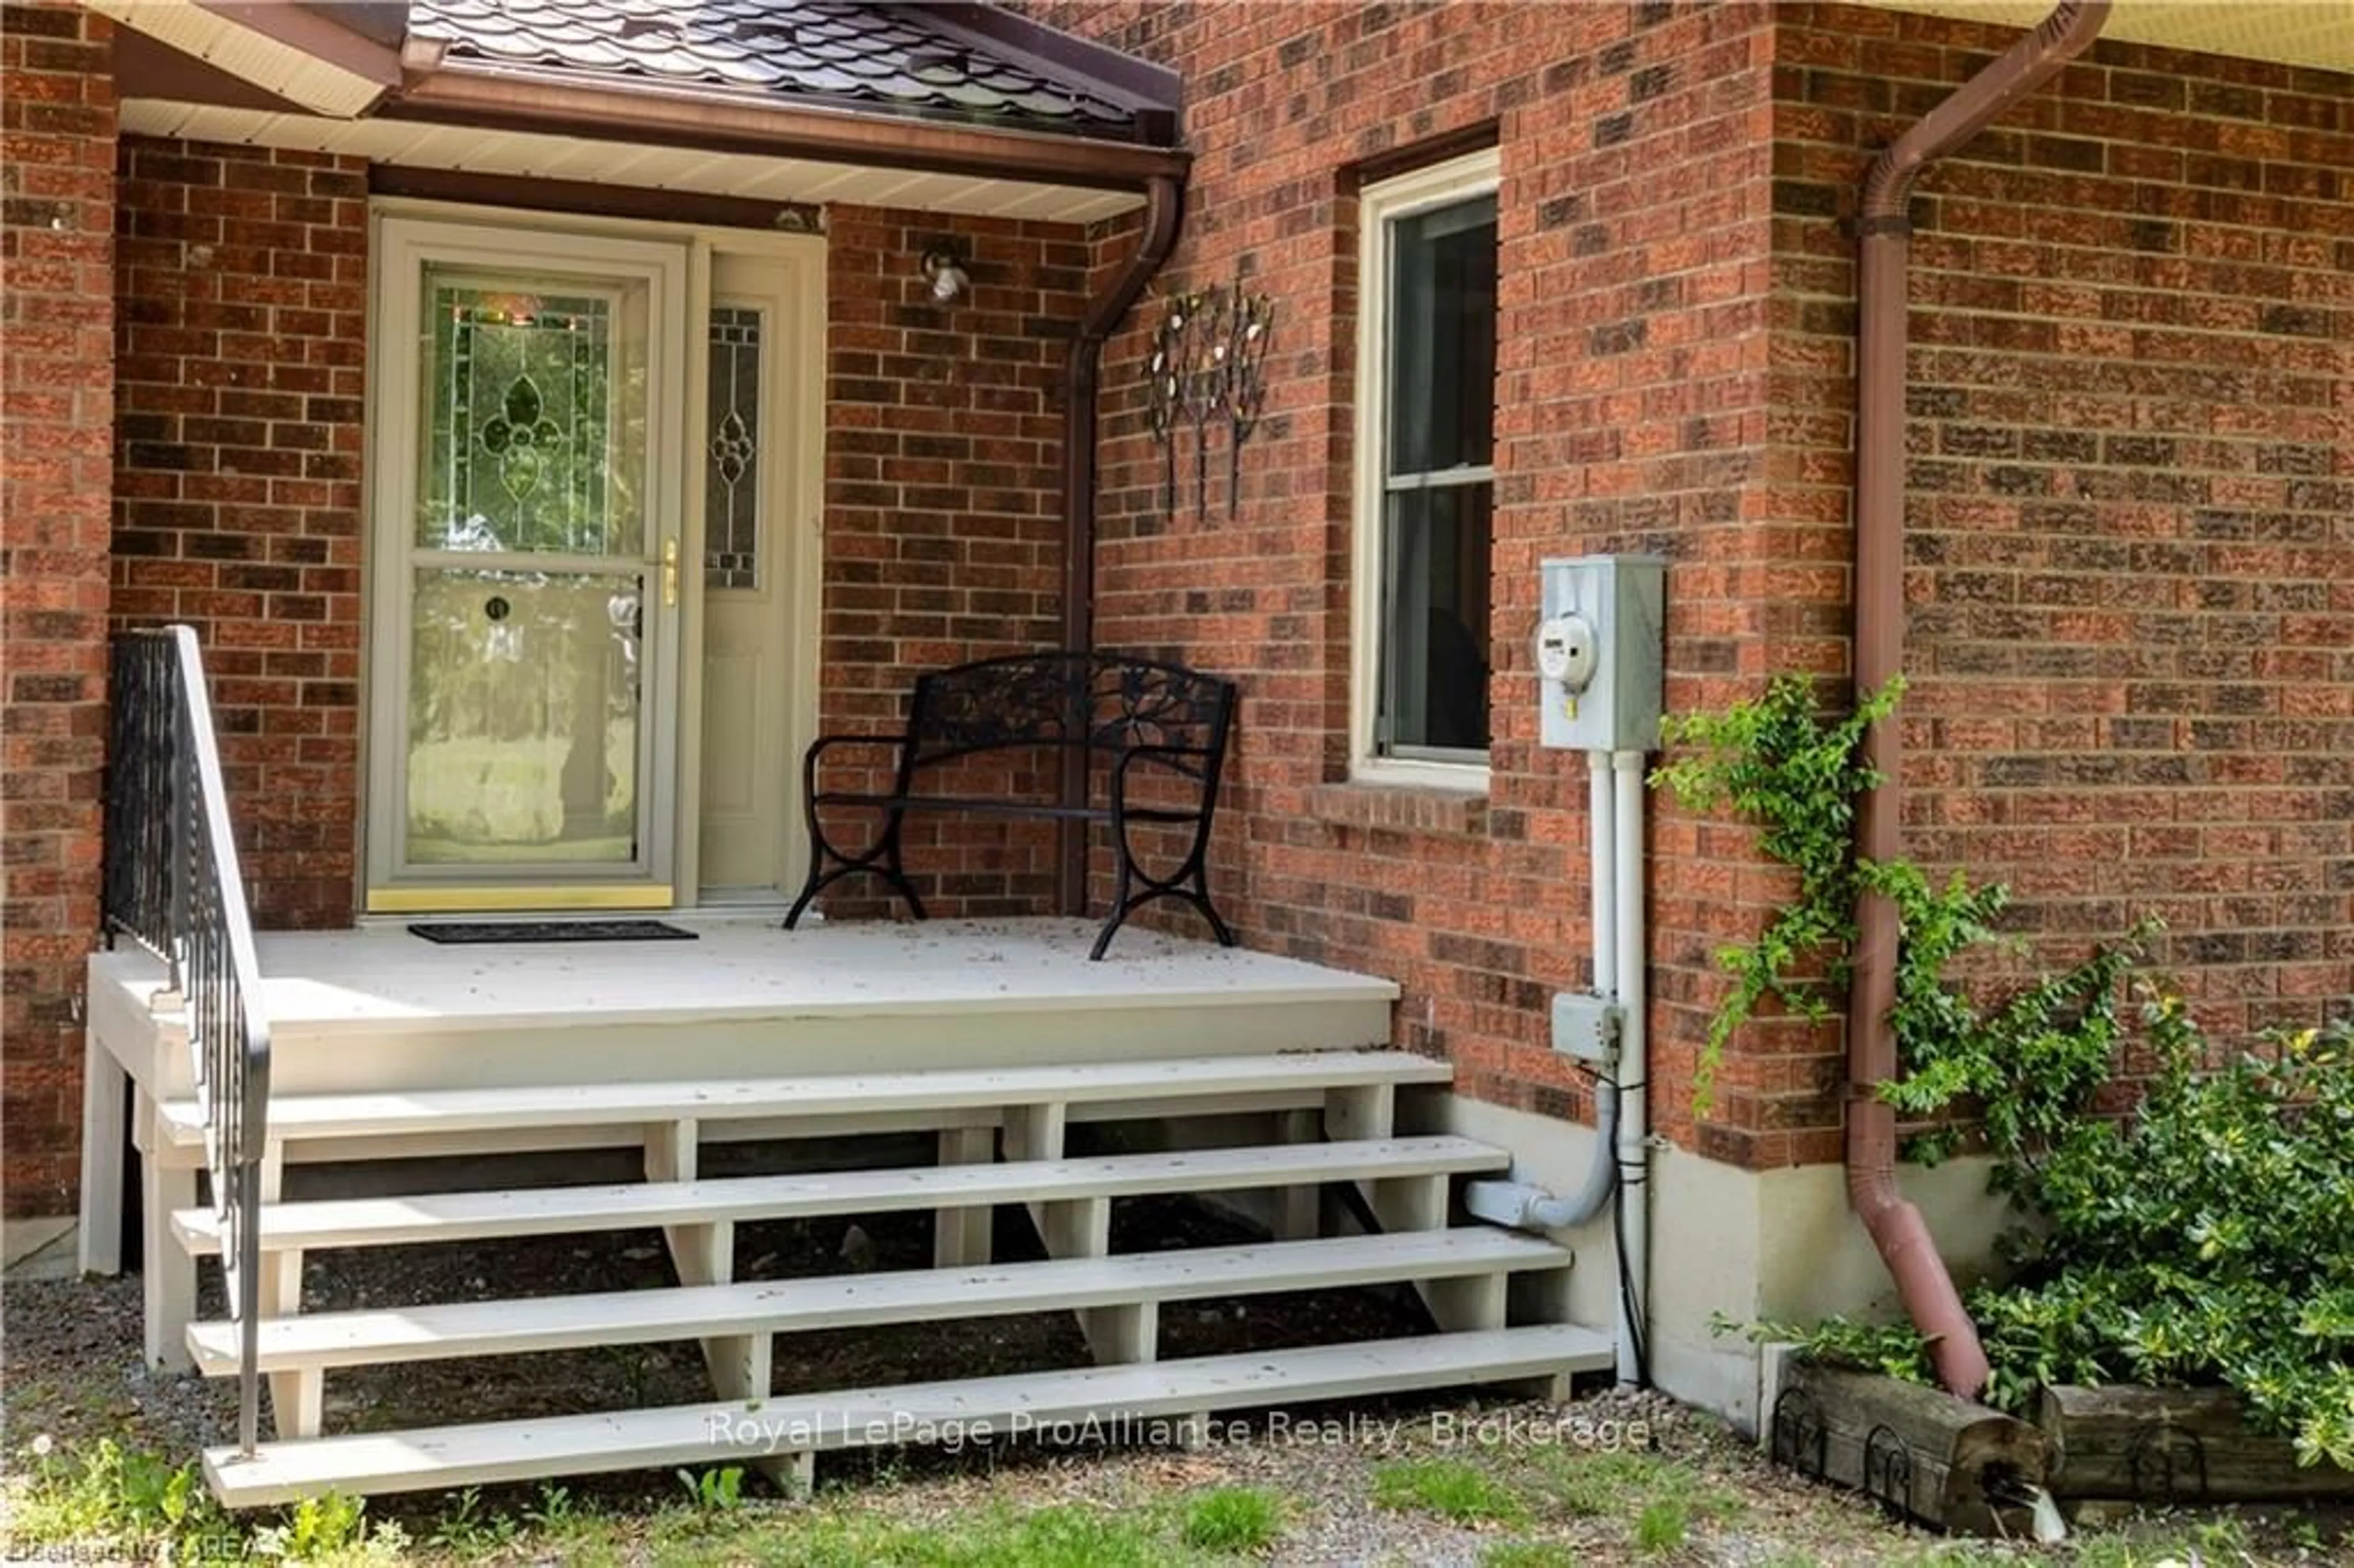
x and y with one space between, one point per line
1102 701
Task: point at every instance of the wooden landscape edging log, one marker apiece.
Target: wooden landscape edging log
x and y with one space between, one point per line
1948 1462
2173 1446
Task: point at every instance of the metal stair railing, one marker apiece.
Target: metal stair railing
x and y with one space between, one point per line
173 885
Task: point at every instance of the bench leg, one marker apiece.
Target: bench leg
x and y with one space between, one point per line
1190 883
895 872
1124 905
883 860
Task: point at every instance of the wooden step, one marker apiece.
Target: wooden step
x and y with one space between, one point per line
1031 1404
480 1216
596 1105
517 1327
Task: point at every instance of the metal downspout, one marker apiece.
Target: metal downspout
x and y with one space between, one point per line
1885 251
1164 206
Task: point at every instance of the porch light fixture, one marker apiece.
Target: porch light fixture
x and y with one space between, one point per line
946 273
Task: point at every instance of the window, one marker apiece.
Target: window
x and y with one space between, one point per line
731 450
1426 400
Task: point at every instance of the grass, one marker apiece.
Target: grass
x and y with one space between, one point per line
1236 1521
1528 1554
1453 1489
114 1503
1542 1506
1663 1525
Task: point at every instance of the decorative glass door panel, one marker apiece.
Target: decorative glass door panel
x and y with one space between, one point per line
536 440
525 641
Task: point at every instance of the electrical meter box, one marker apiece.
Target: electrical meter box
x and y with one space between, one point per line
1599 652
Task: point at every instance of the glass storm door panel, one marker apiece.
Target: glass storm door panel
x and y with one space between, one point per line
524 651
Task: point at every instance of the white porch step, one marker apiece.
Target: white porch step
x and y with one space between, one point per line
514 1327
480 1216
1031 1404
592 1105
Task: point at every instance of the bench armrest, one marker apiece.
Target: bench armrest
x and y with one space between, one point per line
825 743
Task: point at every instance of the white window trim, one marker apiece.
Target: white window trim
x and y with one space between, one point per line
1379 206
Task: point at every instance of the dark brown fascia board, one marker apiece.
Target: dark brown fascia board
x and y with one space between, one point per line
1122 79
537 193
145 67
512 99
309 31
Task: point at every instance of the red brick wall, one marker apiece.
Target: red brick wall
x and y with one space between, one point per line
2133 601
57 243
1631 401
2131 476
943 502
241 317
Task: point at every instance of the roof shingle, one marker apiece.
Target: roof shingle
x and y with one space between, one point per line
882 56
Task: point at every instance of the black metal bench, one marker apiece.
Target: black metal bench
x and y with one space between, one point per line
1132 714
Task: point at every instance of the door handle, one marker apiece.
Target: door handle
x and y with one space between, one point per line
670 574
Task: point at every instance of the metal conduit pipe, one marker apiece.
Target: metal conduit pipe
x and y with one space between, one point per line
1631 1135
1885 252
1524 1205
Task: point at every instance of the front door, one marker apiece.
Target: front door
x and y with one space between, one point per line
749 580
524 647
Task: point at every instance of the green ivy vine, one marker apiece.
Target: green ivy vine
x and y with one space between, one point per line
1781 763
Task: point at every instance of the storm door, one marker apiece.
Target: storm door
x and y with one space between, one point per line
528 500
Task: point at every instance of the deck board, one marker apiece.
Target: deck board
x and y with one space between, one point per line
517 1327
839 1093
377 1009
1027 1404
378 979
539 1211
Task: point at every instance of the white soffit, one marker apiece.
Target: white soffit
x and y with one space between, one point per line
291 74
2318 34
531 155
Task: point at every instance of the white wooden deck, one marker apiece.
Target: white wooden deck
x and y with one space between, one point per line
996 1036
745 998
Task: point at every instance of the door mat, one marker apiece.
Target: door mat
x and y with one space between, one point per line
465 933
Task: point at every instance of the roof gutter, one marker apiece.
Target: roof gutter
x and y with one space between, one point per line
1885 255
503 98
1164 208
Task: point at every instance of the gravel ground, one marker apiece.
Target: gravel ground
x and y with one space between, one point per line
69 1369
73 1369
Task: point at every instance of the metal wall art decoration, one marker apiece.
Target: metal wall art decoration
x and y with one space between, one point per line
1209 367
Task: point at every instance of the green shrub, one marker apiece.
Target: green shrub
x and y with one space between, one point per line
2207 1239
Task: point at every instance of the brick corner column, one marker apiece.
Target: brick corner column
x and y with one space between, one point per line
57 371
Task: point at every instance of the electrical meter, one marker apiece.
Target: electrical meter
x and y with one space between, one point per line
1598 653
1566 652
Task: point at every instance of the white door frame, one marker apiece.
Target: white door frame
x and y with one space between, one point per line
796 543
